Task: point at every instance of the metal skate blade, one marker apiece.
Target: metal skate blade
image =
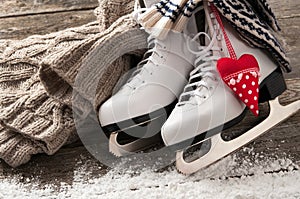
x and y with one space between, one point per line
132 147
122 143
220 148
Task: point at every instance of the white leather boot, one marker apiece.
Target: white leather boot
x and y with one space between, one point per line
207 105
153 89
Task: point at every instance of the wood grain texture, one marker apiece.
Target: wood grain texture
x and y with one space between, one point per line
22 18
290 37
24 26
56 169
13 8
285 9
287 13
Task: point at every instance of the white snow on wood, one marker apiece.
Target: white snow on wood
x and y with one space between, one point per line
208 183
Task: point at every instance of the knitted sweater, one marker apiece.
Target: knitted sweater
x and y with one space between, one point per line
37 78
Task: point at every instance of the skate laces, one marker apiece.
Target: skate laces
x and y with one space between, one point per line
198 86
155 47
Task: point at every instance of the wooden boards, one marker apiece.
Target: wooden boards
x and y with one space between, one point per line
24 26
14 8
20 19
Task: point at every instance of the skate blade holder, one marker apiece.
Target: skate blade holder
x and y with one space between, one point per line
130 148
133 146
220 148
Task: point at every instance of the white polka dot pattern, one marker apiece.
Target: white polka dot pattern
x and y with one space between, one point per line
242 77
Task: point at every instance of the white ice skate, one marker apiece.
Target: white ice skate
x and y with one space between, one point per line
134 115
208 106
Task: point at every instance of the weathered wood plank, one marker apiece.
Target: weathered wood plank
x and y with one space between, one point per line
56 169
285 9
13 8
287 13
283 141
22 27
290 36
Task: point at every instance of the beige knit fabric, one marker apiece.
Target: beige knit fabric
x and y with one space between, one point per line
110 10
37 77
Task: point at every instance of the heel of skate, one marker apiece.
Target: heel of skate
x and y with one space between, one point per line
273 86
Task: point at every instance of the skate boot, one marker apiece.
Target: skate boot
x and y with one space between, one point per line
208 105
134 115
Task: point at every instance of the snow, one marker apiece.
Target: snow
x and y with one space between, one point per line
226 179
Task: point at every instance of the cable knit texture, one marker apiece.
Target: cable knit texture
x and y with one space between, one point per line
37 77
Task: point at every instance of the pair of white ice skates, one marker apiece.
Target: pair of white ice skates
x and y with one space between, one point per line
146 110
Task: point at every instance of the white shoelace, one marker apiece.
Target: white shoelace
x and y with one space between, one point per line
155 46
205 68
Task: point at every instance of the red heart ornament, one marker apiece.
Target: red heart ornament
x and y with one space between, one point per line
242 76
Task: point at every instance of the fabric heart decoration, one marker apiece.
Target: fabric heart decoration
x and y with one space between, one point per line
242 75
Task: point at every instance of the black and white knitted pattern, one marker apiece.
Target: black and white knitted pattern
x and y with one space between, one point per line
264 11
172 10
253 28
169 9
161 7
190 7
